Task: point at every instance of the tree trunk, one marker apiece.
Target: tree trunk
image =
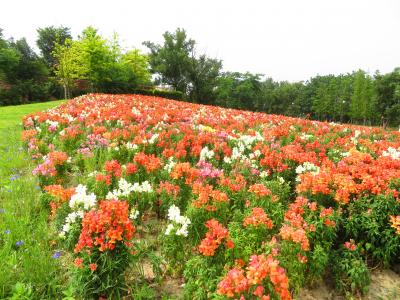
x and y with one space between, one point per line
65 91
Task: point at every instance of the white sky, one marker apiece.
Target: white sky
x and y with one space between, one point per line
283 39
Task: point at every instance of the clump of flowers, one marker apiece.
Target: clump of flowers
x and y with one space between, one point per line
106 227
208 197
82 199
208 170
257 218
260 190
46 168
185 171
215 236
106 234
149 162
125 189
179 223
262 272
392 153
350 245
79 202
113 168
60 195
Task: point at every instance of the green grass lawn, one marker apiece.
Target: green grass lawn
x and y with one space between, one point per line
28 269
12 115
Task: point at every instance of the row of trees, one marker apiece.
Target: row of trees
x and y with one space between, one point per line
67 67
353 97
91 63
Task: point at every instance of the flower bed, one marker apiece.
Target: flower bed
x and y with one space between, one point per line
250 205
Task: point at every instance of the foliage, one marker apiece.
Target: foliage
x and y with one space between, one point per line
48 38
350 272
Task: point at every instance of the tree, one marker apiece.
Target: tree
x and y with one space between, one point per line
70 65
239 90
173 60
388 97
97 58
178 65
138 63
9 58
48 38
363 100
203 78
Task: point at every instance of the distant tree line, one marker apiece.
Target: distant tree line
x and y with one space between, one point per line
91 63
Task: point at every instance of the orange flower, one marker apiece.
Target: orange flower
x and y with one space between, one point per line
93 267
214 237
106 227
258 217
395 220
78 262
260 190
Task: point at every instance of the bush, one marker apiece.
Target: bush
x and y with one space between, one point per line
350 272
368 224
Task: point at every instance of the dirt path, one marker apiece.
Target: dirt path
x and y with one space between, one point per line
385 285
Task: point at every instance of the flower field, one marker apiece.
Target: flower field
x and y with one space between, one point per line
233 204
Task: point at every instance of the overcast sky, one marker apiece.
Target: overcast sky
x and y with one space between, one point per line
283 39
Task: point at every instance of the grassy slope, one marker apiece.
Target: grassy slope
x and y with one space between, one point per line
27 270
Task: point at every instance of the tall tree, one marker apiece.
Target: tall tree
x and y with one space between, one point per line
48 38
173 59
138 63
97 57
239 90
70 65
363 98
9 59
388 97
202 78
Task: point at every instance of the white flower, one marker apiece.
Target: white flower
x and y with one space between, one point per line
180 222
307 167
281 180
112 196
345 154
170 227
153 138
173 213
227 160
170 165
135 111
146 187
392 152
81 198
133 214
131 146
125 189
69 220
183 230
206 153
306 137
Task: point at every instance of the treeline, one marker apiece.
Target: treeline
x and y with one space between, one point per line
68 67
